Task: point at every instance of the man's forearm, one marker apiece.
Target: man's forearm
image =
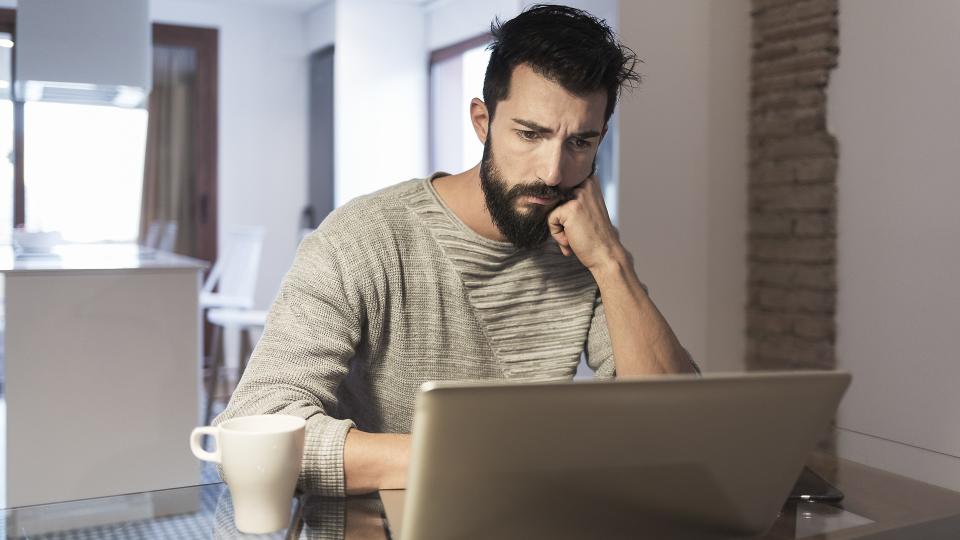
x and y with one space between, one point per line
642 341
373 461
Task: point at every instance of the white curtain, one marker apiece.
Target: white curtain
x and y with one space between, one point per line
169 173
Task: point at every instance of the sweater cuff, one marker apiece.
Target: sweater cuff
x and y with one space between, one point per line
322 472
324 518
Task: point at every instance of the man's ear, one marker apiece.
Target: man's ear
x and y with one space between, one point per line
480 119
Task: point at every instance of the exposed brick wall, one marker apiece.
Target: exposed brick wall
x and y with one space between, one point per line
792 190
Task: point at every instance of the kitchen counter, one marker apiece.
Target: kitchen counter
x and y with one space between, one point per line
103 371
70 257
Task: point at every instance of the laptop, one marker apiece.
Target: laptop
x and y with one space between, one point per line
676 456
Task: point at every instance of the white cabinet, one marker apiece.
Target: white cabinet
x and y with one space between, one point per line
103 373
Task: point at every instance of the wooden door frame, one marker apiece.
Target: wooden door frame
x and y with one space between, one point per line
205 41
8 23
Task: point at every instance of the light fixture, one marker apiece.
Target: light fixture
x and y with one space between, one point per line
83 51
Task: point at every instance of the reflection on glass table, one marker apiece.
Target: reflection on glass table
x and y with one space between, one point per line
144 515
190 513
815 518
878 504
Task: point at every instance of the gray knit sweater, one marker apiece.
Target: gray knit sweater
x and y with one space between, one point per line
393 290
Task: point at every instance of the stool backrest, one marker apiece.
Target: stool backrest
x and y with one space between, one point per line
168 239
236 269
152 238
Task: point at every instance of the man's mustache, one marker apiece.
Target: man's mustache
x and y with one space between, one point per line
538 189
541 190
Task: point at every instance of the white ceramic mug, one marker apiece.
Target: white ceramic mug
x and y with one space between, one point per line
260 457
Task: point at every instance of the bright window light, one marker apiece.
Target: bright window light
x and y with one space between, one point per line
83 170
6 170
454 82
474 67
6 141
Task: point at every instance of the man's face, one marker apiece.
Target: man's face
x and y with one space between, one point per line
541 144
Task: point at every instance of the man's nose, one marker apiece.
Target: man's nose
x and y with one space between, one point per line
551 168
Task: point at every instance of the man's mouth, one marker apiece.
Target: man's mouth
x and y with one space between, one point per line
541 200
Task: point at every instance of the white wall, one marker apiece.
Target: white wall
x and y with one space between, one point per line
683 170
380 96
728 105
320 26
263 123
453 21
893 104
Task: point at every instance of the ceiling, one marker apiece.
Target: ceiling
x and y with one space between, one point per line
302 5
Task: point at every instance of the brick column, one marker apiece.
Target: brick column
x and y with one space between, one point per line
792 190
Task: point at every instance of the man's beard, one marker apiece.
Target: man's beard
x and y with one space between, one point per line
524 229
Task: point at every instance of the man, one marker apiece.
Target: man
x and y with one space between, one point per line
494 273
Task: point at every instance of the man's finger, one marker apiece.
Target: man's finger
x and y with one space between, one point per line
561 238
555 221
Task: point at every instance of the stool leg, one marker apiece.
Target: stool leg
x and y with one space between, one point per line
246 350
216 359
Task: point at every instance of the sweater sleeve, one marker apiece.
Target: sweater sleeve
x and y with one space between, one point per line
311 333
600 349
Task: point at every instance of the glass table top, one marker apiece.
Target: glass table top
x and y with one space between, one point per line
206 511
877 503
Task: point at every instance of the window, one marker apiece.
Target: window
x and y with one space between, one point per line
456 77
80 169
6 137
83 170
76 169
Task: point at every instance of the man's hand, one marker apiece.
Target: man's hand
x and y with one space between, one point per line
582 226
642 341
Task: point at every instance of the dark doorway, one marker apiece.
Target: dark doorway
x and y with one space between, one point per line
320 201
197 236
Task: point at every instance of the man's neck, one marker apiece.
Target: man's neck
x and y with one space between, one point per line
463 195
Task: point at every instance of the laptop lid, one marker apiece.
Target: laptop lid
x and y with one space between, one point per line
678 456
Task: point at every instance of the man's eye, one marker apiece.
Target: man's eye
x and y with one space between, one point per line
581 143
528 135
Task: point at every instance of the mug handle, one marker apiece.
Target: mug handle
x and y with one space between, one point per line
198 450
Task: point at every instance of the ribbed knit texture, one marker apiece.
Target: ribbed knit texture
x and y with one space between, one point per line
393 290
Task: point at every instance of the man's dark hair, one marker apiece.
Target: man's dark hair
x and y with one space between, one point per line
566 45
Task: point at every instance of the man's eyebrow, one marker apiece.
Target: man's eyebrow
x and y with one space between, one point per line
589 134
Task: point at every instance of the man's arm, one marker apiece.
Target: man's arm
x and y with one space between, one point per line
311 335
373 461
640 337
642 341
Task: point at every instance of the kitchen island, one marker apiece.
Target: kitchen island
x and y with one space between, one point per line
103 371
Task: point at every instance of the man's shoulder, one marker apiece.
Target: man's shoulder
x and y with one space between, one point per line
388 198
367 214
367 227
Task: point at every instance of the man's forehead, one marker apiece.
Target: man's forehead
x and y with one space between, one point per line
539 99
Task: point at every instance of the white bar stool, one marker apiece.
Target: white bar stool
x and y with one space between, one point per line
224 319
